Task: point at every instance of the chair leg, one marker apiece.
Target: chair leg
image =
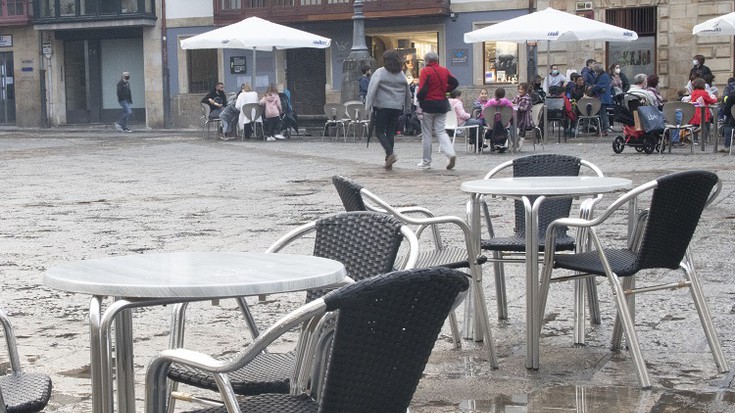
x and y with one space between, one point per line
634 347
500 291
617 333
704 315
454 326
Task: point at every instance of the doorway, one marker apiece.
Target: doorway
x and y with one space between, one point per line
306 78
7 89
81 77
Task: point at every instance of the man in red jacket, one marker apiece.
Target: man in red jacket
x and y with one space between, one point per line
434 83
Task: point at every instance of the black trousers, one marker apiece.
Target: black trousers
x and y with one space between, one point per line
386 124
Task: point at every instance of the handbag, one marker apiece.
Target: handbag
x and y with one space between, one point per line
652 120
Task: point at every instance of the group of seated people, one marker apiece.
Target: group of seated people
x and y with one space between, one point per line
227 110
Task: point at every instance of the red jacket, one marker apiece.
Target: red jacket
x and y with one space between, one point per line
696 94
435 80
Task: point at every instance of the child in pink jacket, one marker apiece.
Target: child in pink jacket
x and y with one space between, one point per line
272 113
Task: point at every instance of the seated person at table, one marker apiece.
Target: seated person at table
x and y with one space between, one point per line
463 118
497 142
216 99
479 104
569 116
699 95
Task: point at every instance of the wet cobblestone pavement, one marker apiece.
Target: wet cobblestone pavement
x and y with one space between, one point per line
79 194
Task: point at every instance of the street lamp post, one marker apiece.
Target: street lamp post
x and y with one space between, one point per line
358 58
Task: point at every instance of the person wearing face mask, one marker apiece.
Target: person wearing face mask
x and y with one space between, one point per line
125 98
554 78
620 82
698 68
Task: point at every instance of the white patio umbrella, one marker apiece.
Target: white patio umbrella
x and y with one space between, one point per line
550 25
717 26
255 34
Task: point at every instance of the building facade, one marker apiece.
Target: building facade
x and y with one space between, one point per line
61 59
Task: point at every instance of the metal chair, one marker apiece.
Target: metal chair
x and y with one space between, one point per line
336 118
555 114
21 392
356 198
660 241
589 109
512 249
253 112
669 110
537 113
453 123
367 243
385 330
506 115
732 134
359 117
206 110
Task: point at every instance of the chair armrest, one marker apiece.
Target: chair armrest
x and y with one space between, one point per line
10 342
156 374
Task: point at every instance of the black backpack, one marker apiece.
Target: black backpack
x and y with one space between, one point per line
498 135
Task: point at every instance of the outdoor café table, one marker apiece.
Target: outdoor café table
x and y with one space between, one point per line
165 278
523 189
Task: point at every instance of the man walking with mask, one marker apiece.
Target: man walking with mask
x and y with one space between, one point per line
125 98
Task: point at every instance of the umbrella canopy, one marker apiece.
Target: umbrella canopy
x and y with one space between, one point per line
255 33
718 26
551 25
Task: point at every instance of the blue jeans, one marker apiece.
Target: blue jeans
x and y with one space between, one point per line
127 112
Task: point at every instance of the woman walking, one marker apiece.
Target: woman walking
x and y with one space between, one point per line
388 96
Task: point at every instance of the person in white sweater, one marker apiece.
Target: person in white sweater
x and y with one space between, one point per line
246 95
388 96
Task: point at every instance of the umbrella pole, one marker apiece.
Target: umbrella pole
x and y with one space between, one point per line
254 66
548 65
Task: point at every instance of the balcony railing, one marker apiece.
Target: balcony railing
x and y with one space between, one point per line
14 13
55 11
288 11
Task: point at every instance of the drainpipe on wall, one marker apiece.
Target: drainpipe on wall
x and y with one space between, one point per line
166 74
531 62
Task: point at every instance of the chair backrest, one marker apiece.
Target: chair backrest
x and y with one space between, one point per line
356 111
589 106
367 243
676 206
551 209
205 110
451 121
335 111
349 192
537 113
670 108
554 108
506 114
252 111
386 329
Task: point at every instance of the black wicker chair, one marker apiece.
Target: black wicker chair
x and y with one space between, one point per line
385 330
512 249
21 392
367 243
354 196
660 241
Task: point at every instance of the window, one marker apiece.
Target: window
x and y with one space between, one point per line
638 56
230 4
68 7
15 7
500 62
202 70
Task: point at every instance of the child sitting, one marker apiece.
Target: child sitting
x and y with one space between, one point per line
700 96
479 104
498 142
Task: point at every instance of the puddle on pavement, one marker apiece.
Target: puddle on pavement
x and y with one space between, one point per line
592 399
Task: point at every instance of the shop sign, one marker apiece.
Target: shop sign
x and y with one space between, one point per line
6 41
459 57
237 65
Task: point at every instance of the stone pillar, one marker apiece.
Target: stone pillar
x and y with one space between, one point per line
358 58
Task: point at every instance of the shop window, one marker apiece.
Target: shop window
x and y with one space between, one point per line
639 55
230 4
202 70
500 62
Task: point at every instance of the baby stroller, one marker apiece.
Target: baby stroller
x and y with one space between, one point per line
289 120
625 104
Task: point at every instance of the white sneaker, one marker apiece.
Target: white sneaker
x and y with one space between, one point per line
280 137
270 139
423 165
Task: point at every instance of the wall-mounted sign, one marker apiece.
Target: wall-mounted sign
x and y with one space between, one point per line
6 40
459 57
47 49
237 65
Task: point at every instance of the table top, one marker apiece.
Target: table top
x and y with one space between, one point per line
547 185
195 274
